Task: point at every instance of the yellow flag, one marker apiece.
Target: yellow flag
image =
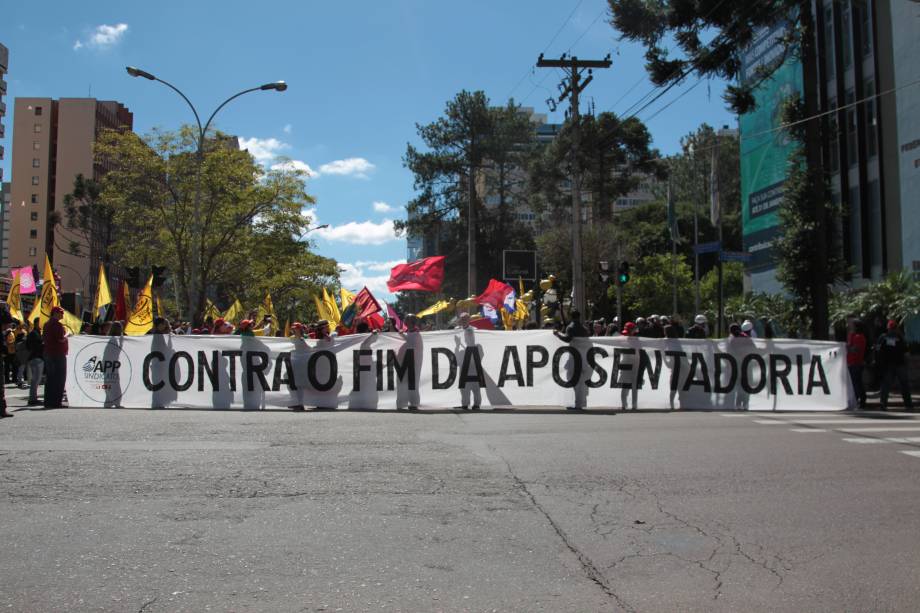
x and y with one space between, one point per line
140 321
210 310
287 328
506 319
320 308
267 308
521 311
103 295
159 308
48 298
73 323
234 313
332 309
13 300
437 307
347 298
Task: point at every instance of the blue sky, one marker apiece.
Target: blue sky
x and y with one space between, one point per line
361 74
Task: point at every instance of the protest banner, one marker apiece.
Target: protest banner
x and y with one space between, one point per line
436 369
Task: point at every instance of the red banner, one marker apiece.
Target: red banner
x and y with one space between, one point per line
424 275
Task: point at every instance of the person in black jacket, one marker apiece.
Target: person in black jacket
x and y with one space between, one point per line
6 320
891 360
36 349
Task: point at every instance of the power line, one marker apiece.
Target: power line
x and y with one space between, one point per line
552 40
682 94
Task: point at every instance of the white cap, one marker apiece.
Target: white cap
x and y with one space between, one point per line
747 326
700 319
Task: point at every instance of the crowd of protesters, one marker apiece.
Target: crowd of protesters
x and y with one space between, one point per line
31 353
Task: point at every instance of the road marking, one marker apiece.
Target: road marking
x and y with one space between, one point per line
864 440
831 421
907 439
806 430
892 429
732 414
109 445
915 454
771 422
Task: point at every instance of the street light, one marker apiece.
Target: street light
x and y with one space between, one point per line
280 86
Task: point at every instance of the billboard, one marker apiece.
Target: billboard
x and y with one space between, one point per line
765 151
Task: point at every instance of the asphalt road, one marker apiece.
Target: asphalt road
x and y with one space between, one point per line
524 510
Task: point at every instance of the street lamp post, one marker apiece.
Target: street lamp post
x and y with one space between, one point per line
194 264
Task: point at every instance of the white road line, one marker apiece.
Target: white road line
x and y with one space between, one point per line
732 414
892 429
806 430
831 421
863 440
771 422
907 439
915 454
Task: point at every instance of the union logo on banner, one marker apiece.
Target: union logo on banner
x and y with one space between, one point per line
143 311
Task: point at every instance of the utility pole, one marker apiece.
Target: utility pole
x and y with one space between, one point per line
573 87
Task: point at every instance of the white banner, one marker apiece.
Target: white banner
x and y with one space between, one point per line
456 368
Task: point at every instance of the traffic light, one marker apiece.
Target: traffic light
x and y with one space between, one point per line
159 276
623 273
133 277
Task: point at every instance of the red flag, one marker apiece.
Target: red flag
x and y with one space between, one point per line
366 304
121 306
495 294
482 324
375 321
425 275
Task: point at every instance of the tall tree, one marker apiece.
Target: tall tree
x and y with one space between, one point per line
710 36
249 215
471 147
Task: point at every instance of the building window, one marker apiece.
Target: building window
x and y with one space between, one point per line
33 215
846 36
36 162
34 179
833 145
33 251
866 26
37 128
829 41
33 233
38 110
852 143
36 145
871 122
34 198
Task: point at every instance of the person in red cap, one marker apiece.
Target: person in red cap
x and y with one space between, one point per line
630 329
245 328
54 337
891 359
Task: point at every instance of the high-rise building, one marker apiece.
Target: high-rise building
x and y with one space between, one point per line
4 226
53 143
4 63
5 192
869 88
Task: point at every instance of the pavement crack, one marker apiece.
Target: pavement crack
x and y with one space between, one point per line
590 570
147 604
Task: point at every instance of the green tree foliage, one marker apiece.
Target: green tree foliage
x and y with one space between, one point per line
613 157
650 289
707 37
897 297
471 148
252 219
86 227
801 266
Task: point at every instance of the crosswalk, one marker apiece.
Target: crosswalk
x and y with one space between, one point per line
869 429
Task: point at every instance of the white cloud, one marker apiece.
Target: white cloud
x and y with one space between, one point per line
263 149
355 276
287 128
295 165
380 266
383 207
103 36
358 167
360 233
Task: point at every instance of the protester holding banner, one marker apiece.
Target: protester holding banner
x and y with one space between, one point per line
6 320
36 361
856 359
54 337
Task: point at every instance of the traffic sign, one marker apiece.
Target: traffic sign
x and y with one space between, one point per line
707 247
736 256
